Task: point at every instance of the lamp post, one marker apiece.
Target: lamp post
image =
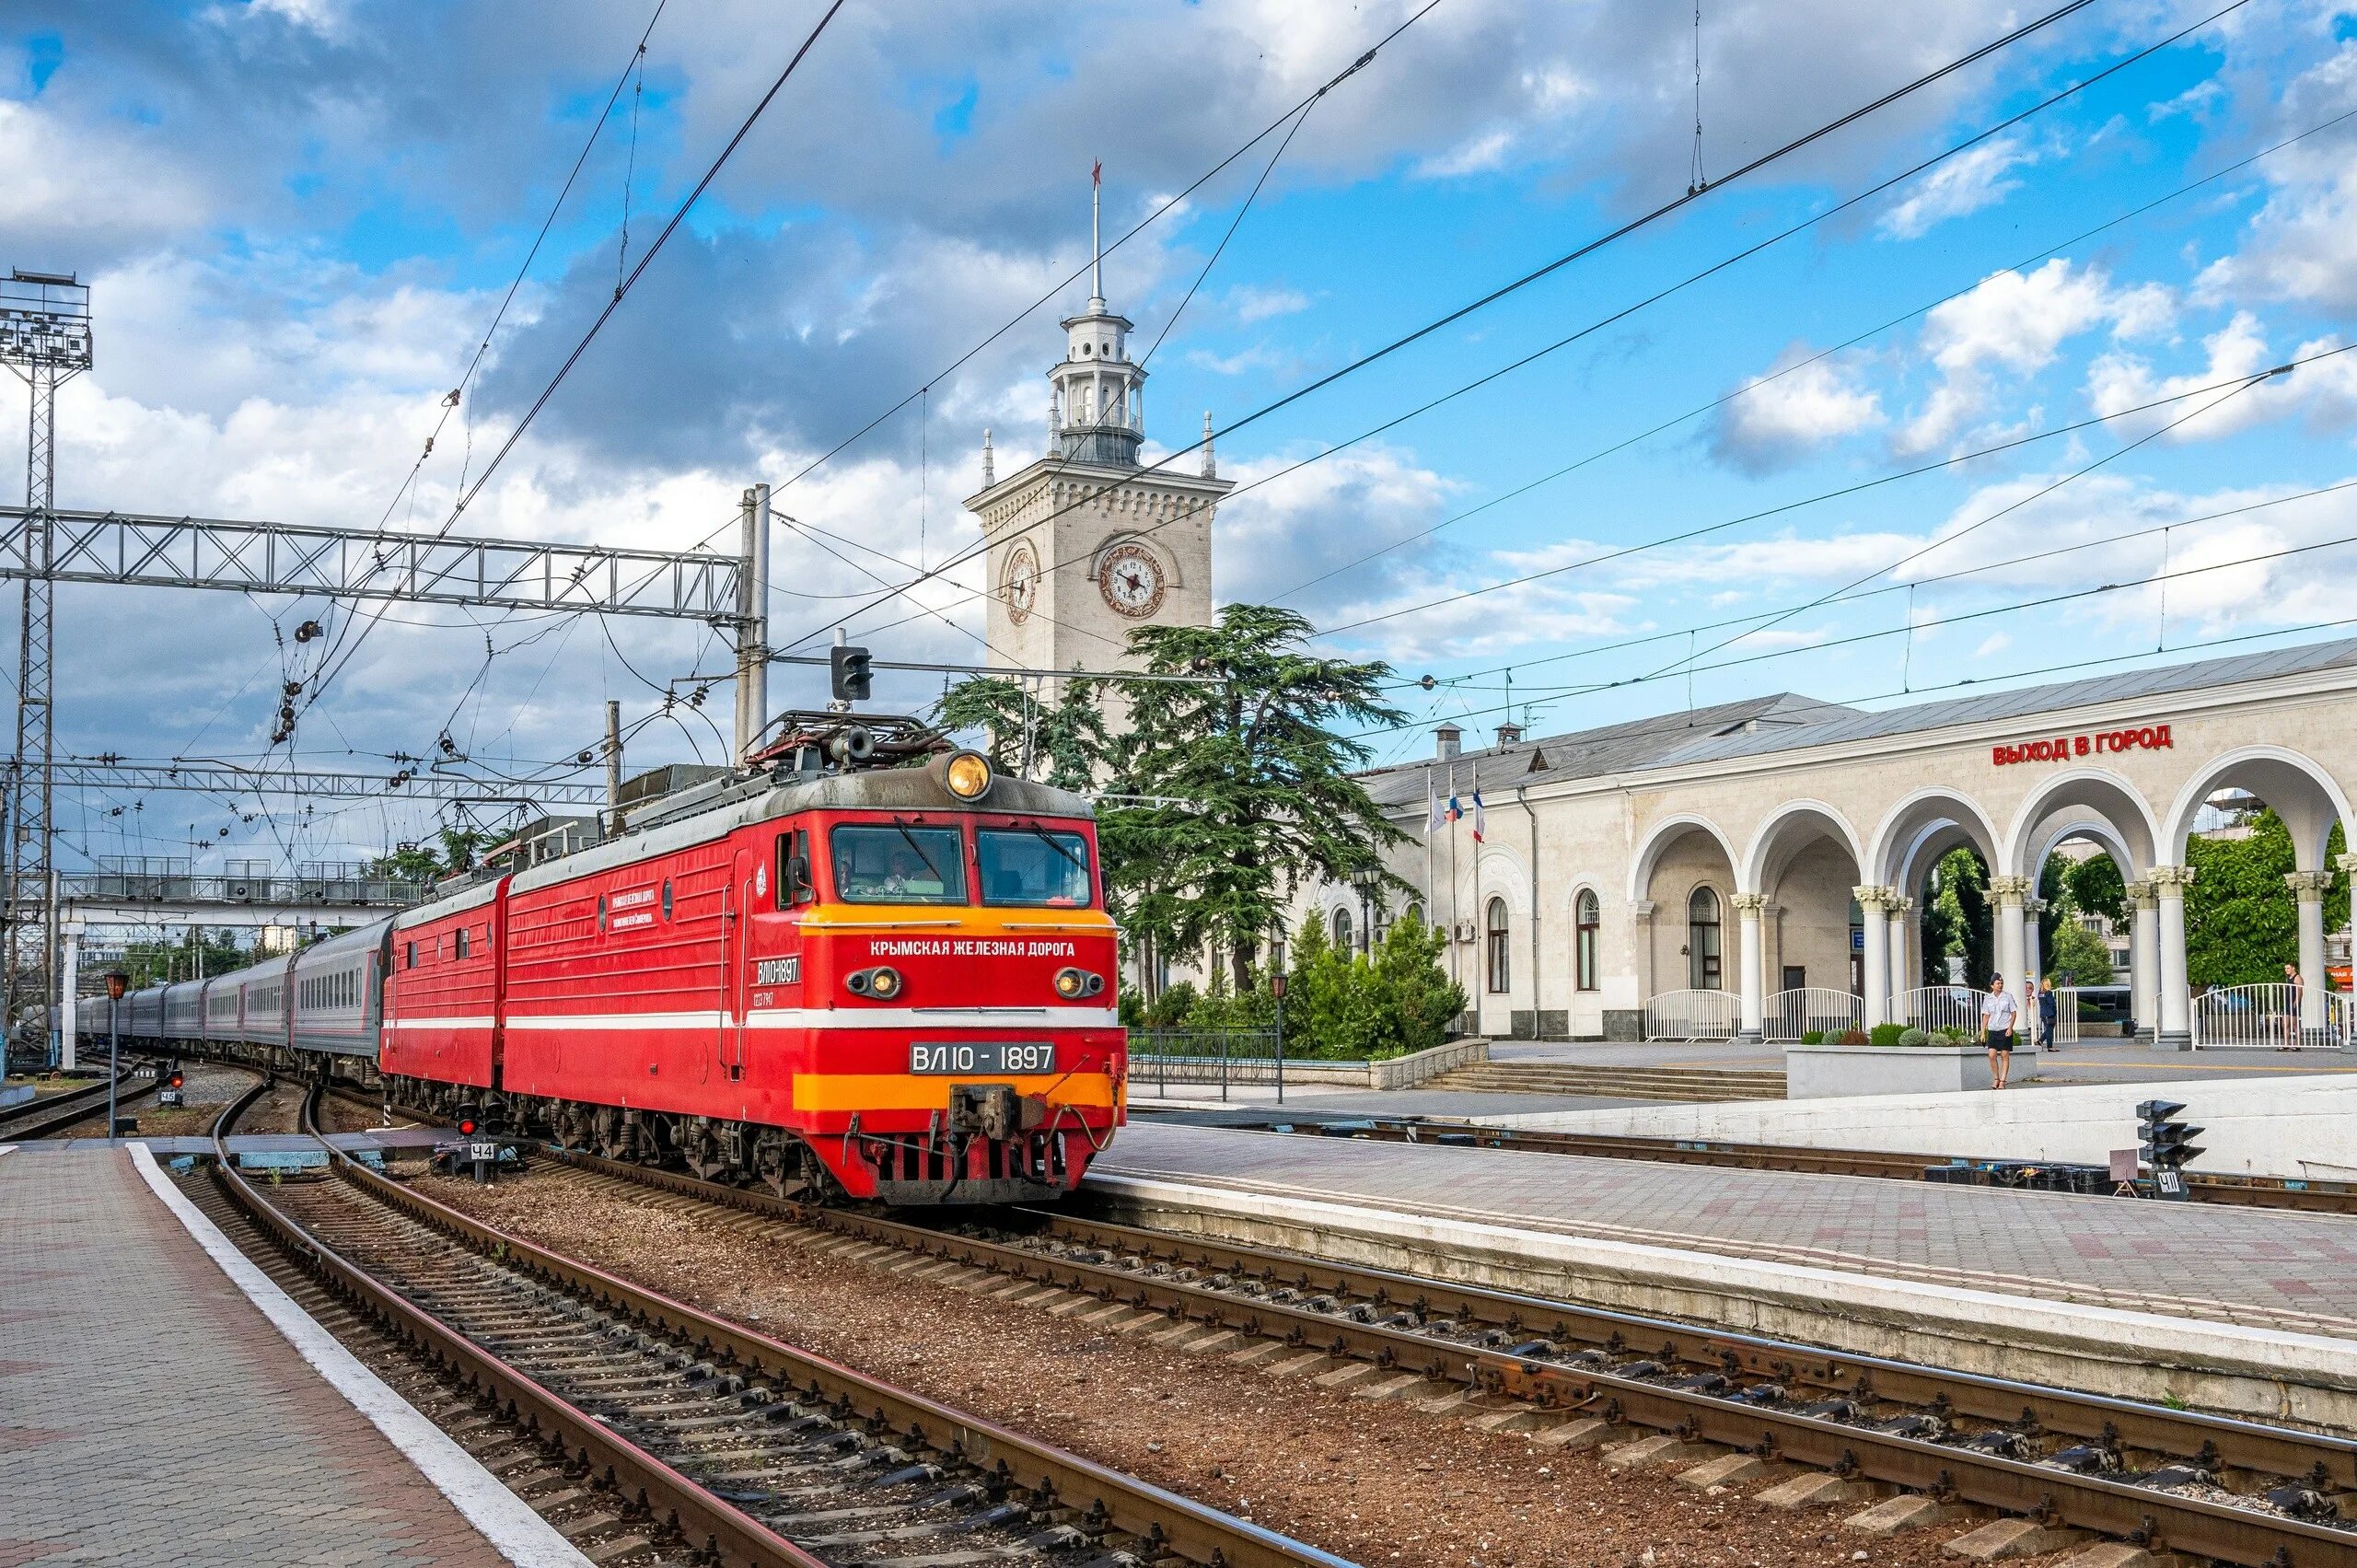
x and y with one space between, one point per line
117 982
1277 990
1366 881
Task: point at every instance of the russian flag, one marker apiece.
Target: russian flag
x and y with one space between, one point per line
1479 821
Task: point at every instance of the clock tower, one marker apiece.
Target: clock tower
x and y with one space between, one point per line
1086 543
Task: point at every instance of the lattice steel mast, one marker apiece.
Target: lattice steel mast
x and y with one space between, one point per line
45 338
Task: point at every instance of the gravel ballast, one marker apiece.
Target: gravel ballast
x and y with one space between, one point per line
1375 1481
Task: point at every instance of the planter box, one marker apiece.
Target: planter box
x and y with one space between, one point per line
1828 1072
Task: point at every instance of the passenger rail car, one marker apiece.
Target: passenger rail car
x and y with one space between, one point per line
891 984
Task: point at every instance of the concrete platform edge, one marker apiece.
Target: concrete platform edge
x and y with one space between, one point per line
505 1519
2231 1369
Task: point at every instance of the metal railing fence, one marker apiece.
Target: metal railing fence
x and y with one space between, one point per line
1225 1057
1929 1008
2267 1014
1787 1015
1692 1014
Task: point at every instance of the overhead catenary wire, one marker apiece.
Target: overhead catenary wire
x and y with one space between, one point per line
1149 471
622 292
1773 377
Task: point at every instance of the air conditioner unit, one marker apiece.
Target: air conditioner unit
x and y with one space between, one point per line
1465 930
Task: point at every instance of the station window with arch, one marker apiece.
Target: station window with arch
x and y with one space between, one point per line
1702 967
1500 967
1342 930
1586 922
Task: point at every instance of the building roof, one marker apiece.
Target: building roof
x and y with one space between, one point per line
1833 725
1787 722
1610 749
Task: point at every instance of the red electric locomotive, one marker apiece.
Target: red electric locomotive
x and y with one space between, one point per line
879 981
885 982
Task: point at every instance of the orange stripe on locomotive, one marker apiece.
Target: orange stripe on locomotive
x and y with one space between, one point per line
731 973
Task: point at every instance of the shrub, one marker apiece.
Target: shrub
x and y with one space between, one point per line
1886 1034
1914 1037
1351 1007
1814 1036
1852 1036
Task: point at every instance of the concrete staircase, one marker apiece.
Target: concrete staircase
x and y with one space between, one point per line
1692 1084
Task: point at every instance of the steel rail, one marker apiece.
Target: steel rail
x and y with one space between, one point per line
43 1117
2156 1520
724 1533
1173 1523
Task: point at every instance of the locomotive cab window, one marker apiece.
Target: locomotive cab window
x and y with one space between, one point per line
898 864
794 882
1033 865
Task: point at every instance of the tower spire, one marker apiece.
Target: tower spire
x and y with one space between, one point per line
1096 236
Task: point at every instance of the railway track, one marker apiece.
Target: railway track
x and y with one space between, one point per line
48 1117
2165 1480
665 1434
2243 1192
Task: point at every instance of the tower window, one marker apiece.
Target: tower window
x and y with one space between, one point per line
1084 350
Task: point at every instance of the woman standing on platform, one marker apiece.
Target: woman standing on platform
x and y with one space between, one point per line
1998 1011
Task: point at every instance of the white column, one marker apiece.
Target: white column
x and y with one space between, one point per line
2010 892
1873 904
2145 958
1902 978
1753 971
2173 1002
2033 950
69 989
2309 888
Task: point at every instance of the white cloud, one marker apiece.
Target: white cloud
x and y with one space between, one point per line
2302 244
2016 323
1993 644
1964 184
1779 417
1253 302
2323 393
1477 155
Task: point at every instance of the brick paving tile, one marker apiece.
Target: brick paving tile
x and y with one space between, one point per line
179 1444
2221 1263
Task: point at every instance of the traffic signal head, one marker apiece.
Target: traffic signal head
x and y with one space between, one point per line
850 670
177 1079
2157 1110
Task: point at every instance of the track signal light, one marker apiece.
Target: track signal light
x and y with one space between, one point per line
851 672
2165 1146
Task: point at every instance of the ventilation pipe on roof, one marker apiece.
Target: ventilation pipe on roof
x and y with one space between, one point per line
1509 734
1444 742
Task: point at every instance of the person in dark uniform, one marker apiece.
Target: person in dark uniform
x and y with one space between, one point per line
2048 1006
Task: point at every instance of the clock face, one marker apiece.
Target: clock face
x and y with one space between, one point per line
1131 580
1019 581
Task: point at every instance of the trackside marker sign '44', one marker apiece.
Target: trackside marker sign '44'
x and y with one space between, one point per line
2094 743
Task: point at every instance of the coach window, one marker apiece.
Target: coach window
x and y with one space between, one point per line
1499 964
409 955
462 942
601 911
1585 921
666 898
1033 865
898 864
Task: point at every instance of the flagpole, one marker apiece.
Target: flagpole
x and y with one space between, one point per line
1096 233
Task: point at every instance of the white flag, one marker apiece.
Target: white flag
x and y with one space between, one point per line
1434 820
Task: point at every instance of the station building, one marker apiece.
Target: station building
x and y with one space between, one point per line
1760 867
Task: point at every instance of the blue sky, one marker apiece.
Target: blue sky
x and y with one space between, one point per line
299 216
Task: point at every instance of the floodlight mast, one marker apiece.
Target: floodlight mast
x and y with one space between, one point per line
45 338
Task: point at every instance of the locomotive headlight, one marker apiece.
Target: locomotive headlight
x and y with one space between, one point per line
1072 985
881 984
967 774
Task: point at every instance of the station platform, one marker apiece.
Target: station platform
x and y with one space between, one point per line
2252 1311
153 1411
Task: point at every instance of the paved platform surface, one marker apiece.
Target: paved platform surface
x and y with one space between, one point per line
202 1437
2089 1061
2296 1272
1260 1100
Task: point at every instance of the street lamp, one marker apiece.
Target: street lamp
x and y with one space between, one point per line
1366 881
117 982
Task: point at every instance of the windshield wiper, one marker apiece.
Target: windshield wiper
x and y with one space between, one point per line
1050 839
929 865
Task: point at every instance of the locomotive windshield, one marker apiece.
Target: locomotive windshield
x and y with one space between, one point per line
1033 865
898 864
